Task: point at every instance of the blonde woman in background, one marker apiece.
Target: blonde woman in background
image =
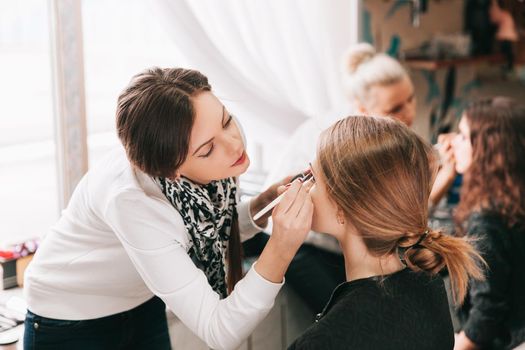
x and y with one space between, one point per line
375 84
373 177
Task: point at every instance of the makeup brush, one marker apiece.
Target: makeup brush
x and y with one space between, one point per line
302 177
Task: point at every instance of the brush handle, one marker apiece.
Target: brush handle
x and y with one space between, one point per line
303 177
268 207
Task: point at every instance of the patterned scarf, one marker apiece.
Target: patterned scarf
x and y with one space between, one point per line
207 212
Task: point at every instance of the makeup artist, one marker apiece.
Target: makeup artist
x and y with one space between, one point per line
158 222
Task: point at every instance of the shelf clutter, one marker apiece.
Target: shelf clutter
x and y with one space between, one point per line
435 64
14 260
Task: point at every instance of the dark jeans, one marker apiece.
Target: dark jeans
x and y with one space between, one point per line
313 273
507 50
144 327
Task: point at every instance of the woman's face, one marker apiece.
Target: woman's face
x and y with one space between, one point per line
216 149
325 210
396 100
462 147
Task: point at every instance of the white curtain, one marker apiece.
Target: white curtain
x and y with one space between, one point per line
273 61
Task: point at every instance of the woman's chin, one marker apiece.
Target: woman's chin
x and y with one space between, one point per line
461 168
234 171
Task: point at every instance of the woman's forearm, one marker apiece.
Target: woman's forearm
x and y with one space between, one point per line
292 220
444 180
273 262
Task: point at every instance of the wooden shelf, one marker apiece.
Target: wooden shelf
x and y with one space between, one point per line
429 64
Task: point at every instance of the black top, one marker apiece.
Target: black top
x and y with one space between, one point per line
405 310
493 314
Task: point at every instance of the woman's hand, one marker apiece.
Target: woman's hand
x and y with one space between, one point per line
447 171
462 342
446 154
263 199
292 219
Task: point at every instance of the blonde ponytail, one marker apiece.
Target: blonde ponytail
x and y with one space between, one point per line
435 250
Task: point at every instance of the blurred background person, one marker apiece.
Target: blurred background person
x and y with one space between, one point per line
489 152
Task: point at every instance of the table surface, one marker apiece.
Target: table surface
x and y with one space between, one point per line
5 295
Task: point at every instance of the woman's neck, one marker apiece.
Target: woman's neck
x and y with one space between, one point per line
359 263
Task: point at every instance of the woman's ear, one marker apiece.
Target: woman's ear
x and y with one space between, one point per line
175 177
340 217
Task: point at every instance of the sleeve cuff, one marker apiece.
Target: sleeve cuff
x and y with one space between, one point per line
261 291
478 332
247 227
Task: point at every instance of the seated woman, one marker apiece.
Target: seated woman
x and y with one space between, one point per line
373 177
489 152
375 84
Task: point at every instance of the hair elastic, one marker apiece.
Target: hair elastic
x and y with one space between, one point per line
423 236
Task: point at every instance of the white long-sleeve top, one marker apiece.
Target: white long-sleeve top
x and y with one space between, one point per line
119 242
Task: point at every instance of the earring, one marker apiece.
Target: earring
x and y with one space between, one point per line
340 220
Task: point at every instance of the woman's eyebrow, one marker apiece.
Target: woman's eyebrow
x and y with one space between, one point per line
204 144
210 140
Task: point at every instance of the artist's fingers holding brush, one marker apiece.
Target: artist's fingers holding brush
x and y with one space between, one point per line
301 177
292 216
305 214
288 198
303 196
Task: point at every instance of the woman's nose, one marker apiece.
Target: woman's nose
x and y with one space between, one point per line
233 143
409 113
404 117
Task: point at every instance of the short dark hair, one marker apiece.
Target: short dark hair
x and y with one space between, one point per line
155 116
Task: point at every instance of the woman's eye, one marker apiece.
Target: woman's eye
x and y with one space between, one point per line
229 121
208 153
395 110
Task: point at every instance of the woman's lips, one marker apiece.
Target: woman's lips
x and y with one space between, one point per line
241 159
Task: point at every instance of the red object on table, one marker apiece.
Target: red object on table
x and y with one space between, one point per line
6 254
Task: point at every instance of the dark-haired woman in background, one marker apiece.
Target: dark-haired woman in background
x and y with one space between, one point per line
373 178
157 221
490 152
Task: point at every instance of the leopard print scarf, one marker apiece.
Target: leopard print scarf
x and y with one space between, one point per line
208 212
